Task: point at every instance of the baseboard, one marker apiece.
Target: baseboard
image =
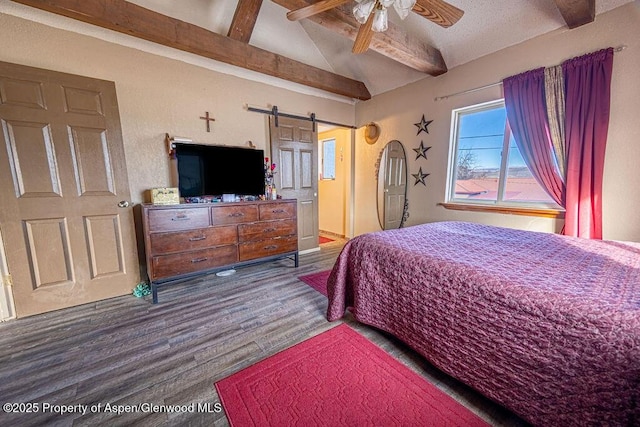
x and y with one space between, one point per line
309 250
331 234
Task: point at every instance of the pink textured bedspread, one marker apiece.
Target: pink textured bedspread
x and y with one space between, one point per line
546 325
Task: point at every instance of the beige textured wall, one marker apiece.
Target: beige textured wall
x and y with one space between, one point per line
157 95
398 110
366 155
332 194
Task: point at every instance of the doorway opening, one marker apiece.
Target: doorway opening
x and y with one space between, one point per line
335 182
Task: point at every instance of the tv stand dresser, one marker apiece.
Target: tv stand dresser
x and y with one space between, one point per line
185 240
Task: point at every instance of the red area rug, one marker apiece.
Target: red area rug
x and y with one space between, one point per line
323 239
337 378
317 281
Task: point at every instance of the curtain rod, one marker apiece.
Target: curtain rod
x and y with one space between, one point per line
438 98
312 118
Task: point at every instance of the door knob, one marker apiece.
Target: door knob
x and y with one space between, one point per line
123 204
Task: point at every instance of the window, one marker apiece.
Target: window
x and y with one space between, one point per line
485 166
328 159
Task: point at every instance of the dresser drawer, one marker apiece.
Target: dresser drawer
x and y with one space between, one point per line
200 238
264 248
270 211
193 261
177 219
266 230
235 214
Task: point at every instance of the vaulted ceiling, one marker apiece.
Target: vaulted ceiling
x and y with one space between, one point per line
316 51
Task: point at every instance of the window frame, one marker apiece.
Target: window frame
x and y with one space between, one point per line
498 205
322 159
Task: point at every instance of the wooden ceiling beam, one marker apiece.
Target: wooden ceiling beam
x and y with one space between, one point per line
577 12
394 43
244 20
131 19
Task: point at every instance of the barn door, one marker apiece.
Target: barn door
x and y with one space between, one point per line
67 227
294 148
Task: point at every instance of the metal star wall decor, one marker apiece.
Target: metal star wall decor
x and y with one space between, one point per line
420 177
421 151
422 125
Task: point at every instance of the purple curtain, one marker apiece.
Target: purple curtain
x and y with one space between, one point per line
524 98
588 93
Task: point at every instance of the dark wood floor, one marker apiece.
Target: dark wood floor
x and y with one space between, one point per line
126 351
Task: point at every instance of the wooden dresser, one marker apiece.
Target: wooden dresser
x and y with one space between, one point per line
189 239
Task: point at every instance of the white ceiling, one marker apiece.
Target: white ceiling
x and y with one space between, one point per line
486 27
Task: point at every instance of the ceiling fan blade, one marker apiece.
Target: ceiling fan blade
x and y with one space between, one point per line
365 33
313 9
438 11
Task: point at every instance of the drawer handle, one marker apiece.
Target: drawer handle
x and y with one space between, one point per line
197 238
236 214
180 217
197 260
267 248
278 211
268 230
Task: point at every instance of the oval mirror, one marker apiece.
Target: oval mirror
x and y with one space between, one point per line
392 186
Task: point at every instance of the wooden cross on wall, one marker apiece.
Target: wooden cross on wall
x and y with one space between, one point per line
208 120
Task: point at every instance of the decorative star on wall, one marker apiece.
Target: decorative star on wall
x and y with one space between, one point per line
421 151
420 177
422 125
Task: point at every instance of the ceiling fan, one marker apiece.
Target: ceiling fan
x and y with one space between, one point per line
372 15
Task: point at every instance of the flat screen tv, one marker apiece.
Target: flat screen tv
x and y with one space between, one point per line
213 170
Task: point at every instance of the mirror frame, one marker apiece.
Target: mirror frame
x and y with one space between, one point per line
380 192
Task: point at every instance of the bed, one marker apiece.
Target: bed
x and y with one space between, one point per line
546 325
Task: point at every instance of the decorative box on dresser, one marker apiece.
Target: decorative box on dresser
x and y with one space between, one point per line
190 239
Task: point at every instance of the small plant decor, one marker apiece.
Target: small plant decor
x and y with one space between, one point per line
141 289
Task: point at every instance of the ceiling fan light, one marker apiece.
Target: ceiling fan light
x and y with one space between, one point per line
405 4
403 7
380 20
402 13
362 10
